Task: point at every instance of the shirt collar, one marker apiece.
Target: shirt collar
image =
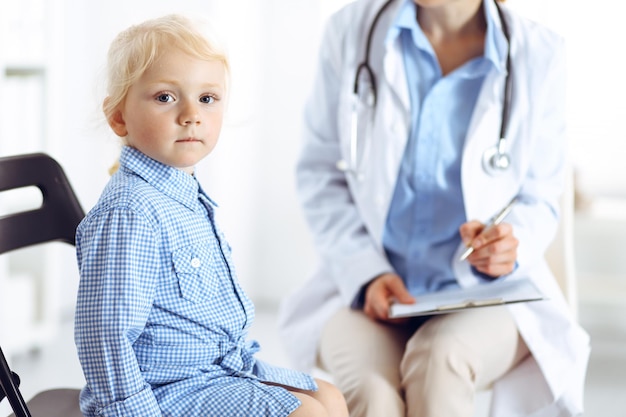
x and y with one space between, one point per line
495 41
406 19
171 181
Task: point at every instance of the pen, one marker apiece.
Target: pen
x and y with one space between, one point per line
497 219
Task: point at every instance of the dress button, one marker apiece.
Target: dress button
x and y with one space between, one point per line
195 262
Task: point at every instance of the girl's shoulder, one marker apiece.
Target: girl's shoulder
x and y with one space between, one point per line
130 195
130 191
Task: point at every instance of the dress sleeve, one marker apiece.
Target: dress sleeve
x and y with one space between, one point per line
118 257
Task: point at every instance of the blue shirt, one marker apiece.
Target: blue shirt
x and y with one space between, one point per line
421 232
161 320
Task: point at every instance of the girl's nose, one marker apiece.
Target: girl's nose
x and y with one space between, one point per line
189 115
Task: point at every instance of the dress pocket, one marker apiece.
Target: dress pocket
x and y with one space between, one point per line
194 268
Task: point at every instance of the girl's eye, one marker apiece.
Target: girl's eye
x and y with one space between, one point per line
164 98
207 99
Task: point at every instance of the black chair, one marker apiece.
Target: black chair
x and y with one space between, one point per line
55 220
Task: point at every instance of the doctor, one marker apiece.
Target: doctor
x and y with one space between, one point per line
458 107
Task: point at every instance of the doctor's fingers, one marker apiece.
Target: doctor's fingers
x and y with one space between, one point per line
378 310
381 292
495 267
503 245
492 235
470 230
377 300
496 259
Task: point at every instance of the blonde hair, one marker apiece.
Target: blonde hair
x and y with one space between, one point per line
136 48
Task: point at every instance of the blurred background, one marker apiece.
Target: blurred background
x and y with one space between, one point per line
52 55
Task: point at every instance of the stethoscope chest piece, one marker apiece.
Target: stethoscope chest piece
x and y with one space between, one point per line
495 161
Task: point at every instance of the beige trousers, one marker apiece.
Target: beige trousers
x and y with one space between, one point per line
424 368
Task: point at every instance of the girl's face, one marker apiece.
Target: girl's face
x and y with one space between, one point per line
174 112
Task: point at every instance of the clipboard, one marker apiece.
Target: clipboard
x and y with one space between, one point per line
495 293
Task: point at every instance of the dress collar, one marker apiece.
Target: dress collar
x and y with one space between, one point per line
171 181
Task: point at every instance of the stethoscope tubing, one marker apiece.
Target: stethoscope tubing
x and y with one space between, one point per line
495 159
365 64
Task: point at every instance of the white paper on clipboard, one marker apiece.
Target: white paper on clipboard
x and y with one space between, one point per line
482 295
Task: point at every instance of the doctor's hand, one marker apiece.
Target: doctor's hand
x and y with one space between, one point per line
381 292
495 248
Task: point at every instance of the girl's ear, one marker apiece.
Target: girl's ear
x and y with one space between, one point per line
116 121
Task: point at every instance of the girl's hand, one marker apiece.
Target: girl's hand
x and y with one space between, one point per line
495 248
381 292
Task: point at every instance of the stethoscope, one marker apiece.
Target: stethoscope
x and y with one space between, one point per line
495 159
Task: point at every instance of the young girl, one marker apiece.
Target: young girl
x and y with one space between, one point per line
161 320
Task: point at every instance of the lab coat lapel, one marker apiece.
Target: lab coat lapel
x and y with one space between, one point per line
393 111
483 132
395 75
391 122
386 132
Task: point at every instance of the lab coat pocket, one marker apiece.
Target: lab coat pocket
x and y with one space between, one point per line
195 270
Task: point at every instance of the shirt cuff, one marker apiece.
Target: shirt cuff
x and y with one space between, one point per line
142 404
485 277
359 299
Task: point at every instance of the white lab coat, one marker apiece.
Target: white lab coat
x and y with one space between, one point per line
347 215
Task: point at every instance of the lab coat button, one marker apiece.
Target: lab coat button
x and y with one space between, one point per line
195 262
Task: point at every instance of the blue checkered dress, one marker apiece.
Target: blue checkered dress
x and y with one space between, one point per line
161 320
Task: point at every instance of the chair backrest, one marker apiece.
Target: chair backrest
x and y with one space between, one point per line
59 213
560 253
55 220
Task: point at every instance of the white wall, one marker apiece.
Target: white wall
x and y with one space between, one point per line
594 34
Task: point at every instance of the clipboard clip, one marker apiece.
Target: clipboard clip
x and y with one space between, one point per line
470 304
